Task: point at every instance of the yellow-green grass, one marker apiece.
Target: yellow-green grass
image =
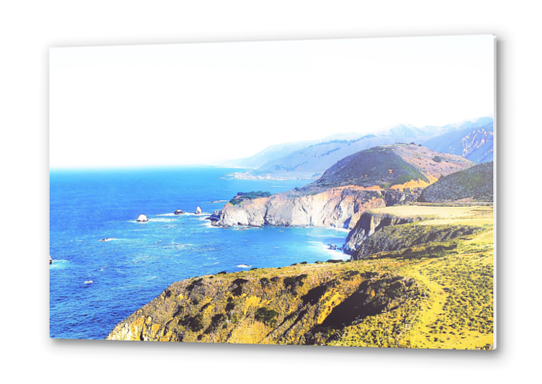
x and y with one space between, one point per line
438 212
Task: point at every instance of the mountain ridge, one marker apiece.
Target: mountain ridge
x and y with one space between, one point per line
310 161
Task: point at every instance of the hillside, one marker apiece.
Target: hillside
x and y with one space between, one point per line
473 184
391 166
423 295
474 144
310 161
376 177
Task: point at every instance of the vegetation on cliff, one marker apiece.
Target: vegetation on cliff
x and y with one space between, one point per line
245 196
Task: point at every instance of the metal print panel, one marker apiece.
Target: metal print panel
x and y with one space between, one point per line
320 192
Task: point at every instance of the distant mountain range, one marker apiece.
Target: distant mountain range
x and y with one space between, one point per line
473 143
309 159
391 166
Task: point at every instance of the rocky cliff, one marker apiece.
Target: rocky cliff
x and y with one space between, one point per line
393 238
400 227
368 224
318 207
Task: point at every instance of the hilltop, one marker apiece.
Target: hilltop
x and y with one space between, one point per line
473 184
391 166
308 160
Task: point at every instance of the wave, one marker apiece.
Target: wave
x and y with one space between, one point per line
159 220
207 224
88 282
167 214
323 236
333 253
59 264
244 266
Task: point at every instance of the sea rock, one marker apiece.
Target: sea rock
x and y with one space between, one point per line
50 260
214 217
198 211
178 212
142 219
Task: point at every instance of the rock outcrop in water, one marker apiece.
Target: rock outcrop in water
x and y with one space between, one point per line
198 211
142 219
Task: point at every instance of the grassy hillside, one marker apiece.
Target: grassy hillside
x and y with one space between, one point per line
391 166
473 184
434 294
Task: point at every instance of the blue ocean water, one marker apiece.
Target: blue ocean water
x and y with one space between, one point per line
96 284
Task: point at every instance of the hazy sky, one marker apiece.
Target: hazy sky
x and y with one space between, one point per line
205 103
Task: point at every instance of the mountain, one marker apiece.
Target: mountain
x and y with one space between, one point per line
277 151
391 166
473 143
311 161
376 177
270 153
473 184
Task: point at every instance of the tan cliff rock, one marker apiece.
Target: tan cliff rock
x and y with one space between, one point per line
339 207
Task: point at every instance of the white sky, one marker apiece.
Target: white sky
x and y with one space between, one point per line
205 103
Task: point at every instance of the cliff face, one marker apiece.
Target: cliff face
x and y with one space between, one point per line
393 238
368 224
334 207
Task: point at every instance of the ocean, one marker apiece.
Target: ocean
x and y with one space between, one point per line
96 284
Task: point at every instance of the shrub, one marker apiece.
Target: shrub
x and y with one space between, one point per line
437 159
266 316
243 196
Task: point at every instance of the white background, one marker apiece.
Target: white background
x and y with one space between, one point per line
29 28
162 104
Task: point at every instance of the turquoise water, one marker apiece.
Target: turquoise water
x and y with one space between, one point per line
96 284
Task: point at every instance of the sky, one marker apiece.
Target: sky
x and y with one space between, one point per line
182 104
